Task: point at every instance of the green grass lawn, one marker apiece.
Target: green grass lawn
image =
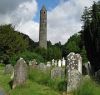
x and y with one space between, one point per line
29 88
88 87
40 83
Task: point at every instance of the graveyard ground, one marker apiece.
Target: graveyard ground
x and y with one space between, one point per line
40 84
30 88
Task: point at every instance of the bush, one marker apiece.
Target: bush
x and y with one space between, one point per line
27 55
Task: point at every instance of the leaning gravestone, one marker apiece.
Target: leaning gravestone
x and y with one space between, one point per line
74 73
8 69
20 73
57 72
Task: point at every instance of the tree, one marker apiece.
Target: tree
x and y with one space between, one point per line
11 42
91 34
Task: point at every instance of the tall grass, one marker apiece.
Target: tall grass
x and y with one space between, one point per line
31 87
44 78
88 87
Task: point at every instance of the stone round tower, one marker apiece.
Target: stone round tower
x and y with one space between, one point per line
43 28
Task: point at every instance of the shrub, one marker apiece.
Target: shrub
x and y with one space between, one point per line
27 55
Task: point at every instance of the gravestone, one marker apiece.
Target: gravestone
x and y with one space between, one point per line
42 67
53 62
74 73
88 68
79 59
59 63
20 73
33 63
56 72
48 64
74 80
63 62
97 76
8 69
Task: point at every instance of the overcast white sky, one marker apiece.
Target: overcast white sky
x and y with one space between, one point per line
63 18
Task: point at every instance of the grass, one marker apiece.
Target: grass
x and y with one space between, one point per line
40 83
31 87
44 78
88 87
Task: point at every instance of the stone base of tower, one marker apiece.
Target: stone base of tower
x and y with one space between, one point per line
43 45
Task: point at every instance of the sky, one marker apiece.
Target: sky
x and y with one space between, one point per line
63 17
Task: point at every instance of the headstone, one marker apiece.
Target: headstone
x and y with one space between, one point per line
12 76
53 61
59 63
48 64
74 80
42 67
74 71
88 68
8 69
79 59
20 73
97 76
30 63
56 72
33 63
63 62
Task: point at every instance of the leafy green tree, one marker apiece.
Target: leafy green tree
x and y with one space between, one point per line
75 44
11 42
27 55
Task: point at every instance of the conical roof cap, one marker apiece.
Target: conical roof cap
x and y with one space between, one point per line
43 8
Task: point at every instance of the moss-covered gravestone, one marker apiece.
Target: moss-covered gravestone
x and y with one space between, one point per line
8 69
20 73
74 71
57 72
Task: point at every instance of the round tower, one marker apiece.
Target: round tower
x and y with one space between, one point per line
43 28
